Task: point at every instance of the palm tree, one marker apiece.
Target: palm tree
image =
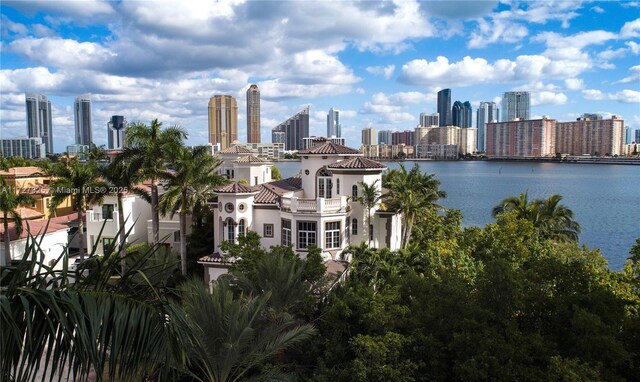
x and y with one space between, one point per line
238 335
369 198
81 182
10 202
150 148
192 171
123 177
552 219
411 193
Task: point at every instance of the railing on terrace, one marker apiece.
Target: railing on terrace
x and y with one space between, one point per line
98 216
318 205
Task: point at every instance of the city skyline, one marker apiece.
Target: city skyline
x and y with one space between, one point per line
381 64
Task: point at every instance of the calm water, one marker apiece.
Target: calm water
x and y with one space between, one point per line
604 198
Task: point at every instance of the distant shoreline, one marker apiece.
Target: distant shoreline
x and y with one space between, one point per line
610 161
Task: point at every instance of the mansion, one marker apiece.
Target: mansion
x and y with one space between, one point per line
318 207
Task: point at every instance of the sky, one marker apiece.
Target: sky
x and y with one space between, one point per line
380 63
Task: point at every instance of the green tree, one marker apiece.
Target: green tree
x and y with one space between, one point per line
369 198
150 148
237 336
193 169
81 182
123 177
275 173
10 203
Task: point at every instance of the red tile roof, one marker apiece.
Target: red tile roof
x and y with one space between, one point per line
236 150
250 159
267 195
236 188
22 172
25 213
288 184
329 148
36 227
358 163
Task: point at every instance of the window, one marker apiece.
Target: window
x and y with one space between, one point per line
176 236
354 226
255 180
347 229
324 188
231 235
229 207
332 234
370 232
338 187
306 234
286 232
107 243
267 230
354 191
242 207
107 211
241 228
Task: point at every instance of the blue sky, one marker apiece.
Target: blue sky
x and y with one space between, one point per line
381 63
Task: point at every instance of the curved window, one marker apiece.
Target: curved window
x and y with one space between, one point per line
354 191
354 226
231 228
241 228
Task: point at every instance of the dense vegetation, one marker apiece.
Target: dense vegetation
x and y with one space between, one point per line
518 299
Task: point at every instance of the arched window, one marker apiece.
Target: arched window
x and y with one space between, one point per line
338 186
354 191
323 177
241 228
354 226
231 228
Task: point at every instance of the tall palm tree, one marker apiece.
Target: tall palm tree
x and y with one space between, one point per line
369 198
238 335
150 148
192 169
10 202
123 177
552 219
411 193
81 182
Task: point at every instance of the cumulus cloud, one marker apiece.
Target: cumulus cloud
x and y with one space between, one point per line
574 83
460 9
624 96
634 47
548 98
385 71
634 77
62 53
597 9
630 29
392 108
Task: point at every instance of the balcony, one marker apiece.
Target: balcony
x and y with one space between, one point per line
318 205
98 217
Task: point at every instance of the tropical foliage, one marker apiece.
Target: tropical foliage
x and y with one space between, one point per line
369 198
10 203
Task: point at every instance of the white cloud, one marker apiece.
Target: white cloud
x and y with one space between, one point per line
62 53
386 71
630 29
392 108
634 77
574 83
597 9
624 96
548 98
9 28
634 47
612 53
497 30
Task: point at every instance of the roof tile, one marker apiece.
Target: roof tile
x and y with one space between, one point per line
236 188
329 148
358 163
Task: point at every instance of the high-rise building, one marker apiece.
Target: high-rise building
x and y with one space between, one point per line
637 136
522 138
223 120
384 137
369 136
628 135
487 112
334 128
427 120
115 132
293 130
82 113
591 136
467 115
31 147
253 114
516 105
403 137
444 107
39 120
456 114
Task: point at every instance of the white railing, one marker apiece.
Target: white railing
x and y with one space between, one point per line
318 205
98 217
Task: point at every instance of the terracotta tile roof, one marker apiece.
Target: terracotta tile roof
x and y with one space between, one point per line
250 159
236 188
268 195
65 219
329 148
36 227
17 172
358 163
236 150
288 184
25 213
215 258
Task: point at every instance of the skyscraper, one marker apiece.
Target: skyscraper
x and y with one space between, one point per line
253 114
467 115
334 129
369 136
295 129
223 120
39 120
444 107
487 112
516 105
385 137
427 120
456 114
115 132
82 112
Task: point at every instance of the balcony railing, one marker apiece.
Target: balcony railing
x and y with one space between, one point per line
98 216
318 205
